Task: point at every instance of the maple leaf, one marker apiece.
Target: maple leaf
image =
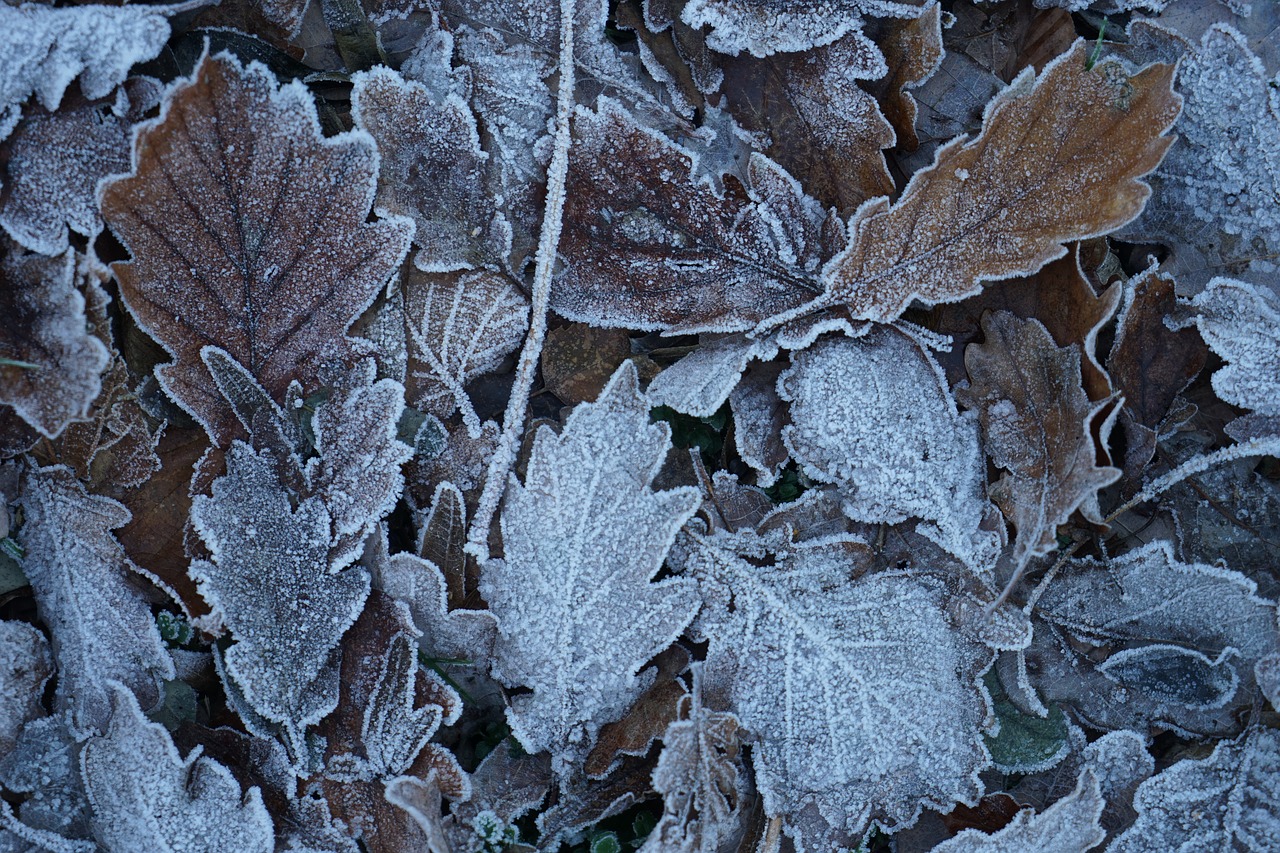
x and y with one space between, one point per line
1035 419
1070 824
247 229
50 366
145 796
998 206
1227 801
863 701
896 446
102 629
577 615
654 246
764 27
270 581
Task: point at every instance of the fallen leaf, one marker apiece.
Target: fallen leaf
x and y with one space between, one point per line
275 259
26 663
763 27
578 360
647 718
1070 824
912 52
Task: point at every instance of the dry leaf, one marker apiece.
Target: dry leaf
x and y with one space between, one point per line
1068 826
912 52
646 720
764 27
275 259
25 664
577 360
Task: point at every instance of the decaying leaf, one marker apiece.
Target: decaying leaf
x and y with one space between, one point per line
583 535
1227 801
649 243
1068 826
146 796
647 718
578 360
101 628
999 205
274 260
763 27
270 582
863 701
873 415
50 365
1036 425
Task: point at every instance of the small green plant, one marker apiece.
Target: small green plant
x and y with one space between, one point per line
174 630
496 834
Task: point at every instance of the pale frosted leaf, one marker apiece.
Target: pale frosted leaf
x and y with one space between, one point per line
44 764
101 627
1036 424
583 536
1241 323
45 49
1068 826
270 582
266 423
699 383
998 205
431 169
25 666
357 474
446 634
459 327
248 231
864 702
759 416
1214 197
42 327
1228 801
650 242
394 731
873 415
146 796
763 27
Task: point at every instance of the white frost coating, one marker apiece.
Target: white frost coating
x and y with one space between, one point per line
873 415
420 585
1241 323
270 582
101 628
577 615
863 700
1068 826
45 49
1120 761
145 796
25 666
699 383
765 27
1228 801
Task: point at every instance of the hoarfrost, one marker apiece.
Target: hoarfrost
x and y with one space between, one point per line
764 27
25 666
1068 826
699 383
1241 323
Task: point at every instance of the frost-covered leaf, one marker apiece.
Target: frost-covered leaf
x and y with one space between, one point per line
46 49
25 664
270 582
864 702
101 628
1000 205
701 382
763 27
647 718
52 366
1228 801
650 243
145 796
583 536
1068 826
1185 638
431 169
44 764
874 416
759 416
1036 425
913 52
1214 197
1025 743
442 538
459 327
247 229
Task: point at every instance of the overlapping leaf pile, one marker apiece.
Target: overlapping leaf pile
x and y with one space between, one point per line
665 425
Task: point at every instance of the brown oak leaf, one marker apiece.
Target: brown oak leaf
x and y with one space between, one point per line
913 51
1059 158
247 229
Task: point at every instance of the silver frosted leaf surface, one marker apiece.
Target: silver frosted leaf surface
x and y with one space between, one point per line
699 383
583 536
1068 826
1241 323
765 27
25 665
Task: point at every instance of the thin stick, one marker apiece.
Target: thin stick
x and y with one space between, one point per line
548 241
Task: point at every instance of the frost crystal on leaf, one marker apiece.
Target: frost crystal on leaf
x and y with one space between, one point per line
1068 826
863 700
583 536
25 666
763 27
1241 323
273 260
270 581
145 796
873 415
699 383
1228 801
101 628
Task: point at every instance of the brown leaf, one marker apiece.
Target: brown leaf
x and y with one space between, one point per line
1035 420
577 360
248 232
647 718
50 366
913 51
1150 364
442 539
648 243
1059 158
759 416
1008 36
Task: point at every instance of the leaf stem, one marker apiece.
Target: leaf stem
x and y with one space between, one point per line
548 241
